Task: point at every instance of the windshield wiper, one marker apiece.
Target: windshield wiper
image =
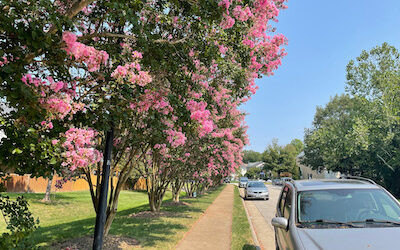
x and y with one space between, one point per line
349 224
377 221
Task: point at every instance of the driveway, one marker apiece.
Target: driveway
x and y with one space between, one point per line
261 212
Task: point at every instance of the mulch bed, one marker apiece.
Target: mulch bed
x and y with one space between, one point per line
149 214
111 242
173 204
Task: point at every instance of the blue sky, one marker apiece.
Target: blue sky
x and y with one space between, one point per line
323 37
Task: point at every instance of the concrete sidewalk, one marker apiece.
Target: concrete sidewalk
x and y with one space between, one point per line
214 229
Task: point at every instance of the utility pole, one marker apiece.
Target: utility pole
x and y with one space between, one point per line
101 212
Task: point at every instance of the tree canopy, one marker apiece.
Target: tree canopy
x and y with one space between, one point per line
358 133
167 75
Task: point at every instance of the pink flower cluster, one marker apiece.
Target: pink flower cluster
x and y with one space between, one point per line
82 53
152 99
175 138
227 22
56 97
242 14
132 72
79 148
202 115
4 61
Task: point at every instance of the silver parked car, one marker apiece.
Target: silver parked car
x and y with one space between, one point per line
350 213
243 182
256 190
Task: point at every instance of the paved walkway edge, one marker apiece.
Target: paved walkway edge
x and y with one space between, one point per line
213 211
194 224
253 232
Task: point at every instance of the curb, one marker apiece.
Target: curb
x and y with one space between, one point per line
253 232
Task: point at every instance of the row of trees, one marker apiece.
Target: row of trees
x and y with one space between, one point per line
277 158
358 133
168 76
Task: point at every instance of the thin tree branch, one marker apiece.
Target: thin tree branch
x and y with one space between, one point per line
390 167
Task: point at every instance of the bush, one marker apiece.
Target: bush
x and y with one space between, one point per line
20 223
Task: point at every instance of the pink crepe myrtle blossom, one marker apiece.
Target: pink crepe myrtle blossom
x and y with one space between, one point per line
47 124
175 138
242 14
227 22
82 53
132 73
79 148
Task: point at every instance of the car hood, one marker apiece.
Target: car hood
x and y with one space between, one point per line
350 238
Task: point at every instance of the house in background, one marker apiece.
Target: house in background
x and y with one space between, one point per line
245 167
307 172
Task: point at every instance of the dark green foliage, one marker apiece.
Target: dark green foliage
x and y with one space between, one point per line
253 173
358 133
251 156
20 223
280 159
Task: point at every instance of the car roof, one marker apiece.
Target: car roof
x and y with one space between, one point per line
324 184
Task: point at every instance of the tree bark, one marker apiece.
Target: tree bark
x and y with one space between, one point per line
48 189
176 190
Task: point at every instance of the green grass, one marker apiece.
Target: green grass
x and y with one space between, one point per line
71 215
241 233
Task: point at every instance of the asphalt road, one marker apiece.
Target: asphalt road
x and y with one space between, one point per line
261 213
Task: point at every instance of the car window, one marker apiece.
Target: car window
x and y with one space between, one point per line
282 200
288 204
347 205
256 184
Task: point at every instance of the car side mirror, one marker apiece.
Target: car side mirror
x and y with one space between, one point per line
280 222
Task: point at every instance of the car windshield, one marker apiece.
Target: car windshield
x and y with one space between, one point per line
347 205
256 184
243 179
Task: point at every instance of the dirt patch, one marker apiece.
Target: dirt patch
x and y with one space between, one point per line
111 242
173 204
149 214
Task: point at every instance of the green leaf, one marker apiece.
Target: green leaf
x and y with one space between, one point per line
53 161
31 130
16 151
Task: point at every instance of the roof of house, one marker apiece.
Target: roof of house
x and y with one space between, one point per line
258 164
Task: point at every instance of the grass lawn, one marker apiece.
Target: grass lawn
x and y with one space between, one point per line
241 233
71 215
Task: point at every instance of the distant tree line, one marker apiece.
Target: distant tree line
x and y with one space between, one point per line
277 158
358 133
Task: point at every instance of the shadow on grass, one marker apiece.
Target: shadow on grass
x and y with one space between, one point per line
249 247
56 198
148 231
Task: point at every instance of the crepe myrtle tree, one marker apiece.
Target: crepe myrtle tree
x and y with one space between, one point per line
69 69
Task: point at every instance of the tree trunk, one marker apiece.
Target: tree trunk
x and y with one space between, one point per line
155 201
109 220
175 196
176 190
48 189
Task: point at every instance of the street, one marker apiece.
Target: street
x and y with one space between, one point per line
261 212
